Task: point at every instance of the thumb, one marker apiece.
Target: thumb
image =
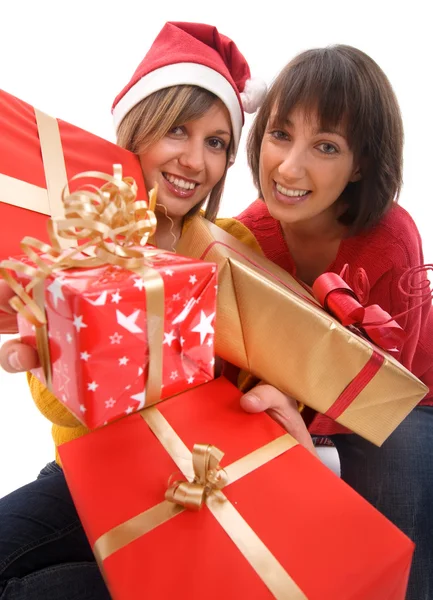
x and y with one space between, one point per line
262 397
282 408
16 357
6 293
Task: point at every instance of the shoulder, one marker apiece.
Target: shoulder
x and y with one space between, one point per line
239 231
257 215
394 241
268 233
399 230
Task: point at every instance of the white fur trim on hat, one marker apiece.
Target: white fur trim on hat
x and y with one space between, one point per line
253 94
183 74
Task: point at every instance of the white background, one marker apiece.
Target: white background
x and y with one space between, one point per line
70 59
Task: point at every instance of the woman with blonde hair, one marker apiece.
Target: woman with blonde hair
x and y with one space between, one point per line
182 113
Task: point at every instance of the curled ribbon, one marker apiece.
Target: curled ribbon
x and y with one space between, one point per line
411 286
345 304
209 477
114 226
111 216
110 219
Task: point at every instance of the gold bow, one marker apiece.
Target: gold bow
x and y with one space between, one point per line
203 467
209 477
109 213
110 219
114 224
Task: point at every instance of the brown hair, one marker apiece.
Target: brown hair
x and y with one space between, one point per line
152 118
342 85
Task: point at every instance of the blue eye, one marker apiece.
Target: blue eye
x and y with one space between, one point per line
278 134
328 148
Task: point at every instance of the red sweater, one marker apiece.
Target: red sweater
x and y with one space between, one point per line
385 252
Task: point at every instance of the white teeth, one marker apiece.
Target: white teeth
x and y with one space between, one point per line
292 193
186 185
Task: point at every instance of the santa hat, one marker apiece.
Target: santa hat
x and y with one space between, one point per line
194 54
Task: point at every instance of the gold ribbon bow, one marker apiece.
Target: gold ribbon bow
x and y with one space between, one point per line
115 227
209 477
202 466
110 213
110 219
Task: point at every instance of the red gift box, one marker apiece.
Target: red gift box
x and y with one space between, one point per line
39 155
100 331
293 526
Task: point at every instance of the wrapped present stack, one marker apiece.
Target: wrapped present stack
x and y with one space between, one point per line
191 495
118 326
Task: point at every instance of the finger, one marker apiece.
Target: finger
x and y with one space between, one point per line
16 357
8 317
297 429
282 408
6 293
8 323
264 397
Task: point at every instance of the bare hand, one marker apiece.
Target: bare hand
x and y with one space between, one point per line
14 355
8 317
282 408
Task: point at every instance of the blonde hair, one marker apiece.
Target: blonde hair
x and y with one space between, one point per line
152 118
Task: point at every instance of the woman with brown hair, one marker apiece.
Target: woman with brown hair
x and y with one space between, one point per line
325 152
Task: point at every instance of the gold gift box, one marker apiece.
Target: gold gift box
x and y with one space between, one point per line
269 324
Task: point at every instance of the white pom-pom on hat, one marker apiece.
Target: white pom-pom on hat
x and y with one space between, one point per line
253 95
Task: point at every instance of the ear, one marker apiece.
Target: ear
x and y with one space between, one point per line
356 174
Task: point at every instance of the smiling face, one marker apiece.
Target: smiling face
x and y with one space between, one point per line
303 170
189 160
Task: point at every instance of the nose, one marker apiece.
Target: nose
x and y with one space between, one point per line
294 163
192 156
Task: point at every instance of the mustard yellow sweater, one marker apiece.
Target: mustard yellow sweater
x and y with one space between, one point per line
65 425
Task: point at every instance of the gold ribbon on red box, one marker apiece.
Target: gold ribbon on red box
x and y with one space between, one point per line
203 487
32 197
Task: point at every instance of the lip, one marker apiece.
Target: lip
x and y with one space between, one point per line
288 200
177 191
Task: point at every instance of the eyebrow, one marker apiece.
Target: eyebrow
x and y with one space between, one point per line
222 132
332 131
320 130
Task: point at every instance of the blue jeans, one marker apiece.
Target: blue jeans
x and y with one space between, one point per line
398 480
44 553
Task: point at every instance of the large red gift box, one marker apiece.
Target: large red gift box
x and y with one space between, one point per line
39 155
283 518
100 329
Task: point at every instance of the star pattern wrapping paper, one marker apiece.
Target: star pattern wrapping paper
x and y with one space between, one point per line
98 332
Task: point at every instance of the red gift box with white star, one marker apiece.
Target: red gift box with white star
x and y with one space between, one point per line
98 335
